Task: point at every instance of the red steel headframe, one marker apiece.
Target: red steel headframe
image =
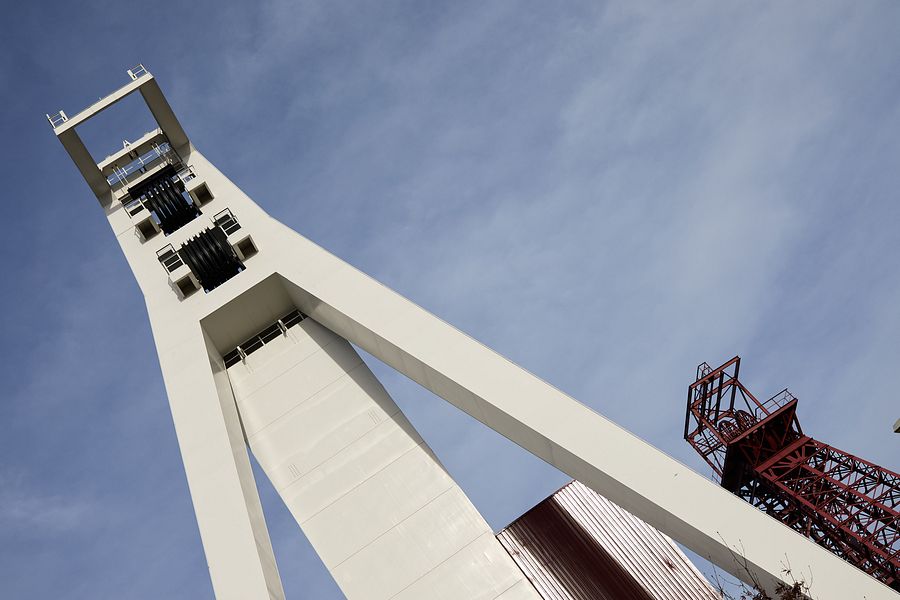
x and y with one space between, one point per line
760 453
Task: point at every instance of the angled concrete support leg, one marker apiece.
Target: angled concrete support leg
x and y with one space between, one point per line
223 490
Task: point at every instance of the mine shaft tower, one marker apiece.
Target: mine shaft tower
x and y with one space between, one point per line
255 328
760 453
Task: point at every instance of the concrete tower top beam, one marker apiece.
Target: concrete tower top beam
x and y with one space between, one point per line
95 173
102 104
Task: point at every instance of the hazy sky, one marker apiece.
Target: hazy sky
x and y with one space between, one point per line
607 194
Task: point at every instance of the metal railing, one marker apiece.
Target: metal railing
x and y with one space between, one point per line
57 119
226 220
273 331
703 369
132 205
774 403
186 173
169 258
140 165
138 71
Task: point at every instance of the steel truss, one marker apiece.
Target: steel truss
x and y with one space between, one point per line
760 453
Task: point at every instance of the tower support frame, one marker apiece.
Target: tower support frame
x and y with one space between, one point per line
195 329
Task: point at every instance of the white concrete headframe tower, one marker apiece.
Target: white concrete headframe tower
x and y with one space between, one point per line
253 325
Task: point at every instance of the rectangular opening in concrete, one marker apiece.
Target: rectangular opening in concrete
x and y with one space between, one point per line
147 229
201 194
186 286
126 120
246 248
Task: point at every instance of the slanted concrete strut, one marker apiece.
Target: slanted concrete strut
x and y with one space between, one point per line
253 325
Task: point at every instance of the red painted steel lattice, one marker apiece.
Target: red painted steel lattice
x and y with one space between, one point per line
760 453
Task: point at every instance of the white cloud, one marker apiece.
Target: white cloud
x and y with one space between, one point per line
22 507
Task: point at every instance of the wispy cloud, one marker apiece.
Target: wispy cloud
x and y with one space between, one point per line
23 507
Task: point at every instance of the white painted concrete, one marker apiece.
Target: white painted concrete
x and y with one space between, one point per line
374 501
290 271
379 508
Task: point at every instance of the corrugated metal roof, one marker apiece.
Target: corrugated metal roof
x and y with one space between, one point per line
577 545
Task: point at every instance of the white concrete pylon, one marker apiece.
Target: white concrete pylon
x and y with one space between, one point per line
216 402
376 504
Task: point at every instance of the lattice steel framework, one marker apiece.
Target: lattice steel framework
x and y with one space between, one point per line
760 453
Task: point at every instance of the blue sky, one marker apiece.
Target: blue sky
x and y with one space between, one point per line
607 194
